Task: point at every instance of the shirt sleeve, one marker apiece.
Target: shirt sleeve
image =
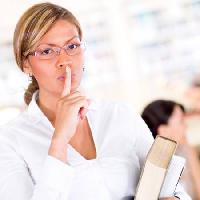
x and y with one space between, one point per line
16 181
144 139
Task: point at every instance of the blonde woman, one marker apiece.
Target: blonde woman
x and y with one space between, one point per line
64 146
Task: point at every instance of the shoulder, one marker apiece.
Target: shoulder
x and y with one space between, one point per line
123 115
122 120
113 107
117 113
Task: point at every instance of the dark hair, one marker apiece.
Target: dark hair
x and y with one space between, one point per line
158 112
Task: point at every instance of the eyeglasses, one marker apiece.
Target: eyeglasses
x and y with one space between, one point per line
47 52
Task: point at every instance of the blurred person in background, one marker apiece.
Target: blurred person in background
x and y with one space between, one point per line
65 146
166 118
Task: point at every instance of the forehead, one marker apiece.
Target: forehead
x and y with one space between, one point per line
177 113
61 32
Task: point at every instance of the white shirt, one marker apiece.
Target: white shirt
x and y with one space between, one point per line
122 141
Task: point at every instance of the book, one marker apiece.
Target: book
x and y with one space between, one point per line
155 169
173 176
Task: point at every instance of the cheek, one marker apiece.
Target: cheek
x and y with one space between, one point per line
41 70
183 127
179 128
79 61
78 65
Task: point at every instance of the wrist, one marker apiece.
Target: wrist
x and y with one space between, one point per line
58 150
59 139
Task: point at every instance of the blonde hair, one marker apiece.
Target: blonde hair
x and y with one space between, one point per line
31 27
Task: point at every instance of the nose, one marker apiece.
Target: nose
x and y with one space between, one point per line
63 60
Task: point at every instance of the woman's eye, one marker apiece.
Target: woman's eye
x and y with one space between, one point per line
73 46
46 51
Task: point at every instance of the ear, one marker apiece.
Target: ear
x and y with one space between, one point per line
27 67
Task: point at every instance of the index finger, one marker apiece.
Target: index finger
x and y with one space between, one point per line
67 83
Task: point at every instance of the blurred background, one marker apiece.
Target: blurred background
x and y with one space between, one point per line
137 51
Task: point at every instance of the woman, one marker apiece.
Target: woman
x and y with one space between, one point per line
65 146
166 118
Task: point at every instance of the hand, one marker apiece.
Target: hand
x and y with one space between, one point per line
71 108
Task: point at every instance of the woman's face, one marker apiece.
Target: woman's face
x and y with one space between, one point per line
176 127
50 73
176 121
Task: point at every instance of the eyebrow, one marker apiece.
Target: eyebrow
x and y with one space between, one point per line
51 44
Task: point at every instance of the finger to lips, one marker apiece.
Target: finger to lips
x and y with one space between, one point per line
67 83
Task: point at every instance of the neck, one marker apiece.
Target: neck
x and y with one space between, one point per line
47 104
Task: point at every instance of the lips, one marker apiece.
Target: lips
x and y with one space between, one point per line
62 78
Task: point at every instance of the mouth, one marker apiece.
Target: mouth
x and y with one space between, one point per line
63 77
